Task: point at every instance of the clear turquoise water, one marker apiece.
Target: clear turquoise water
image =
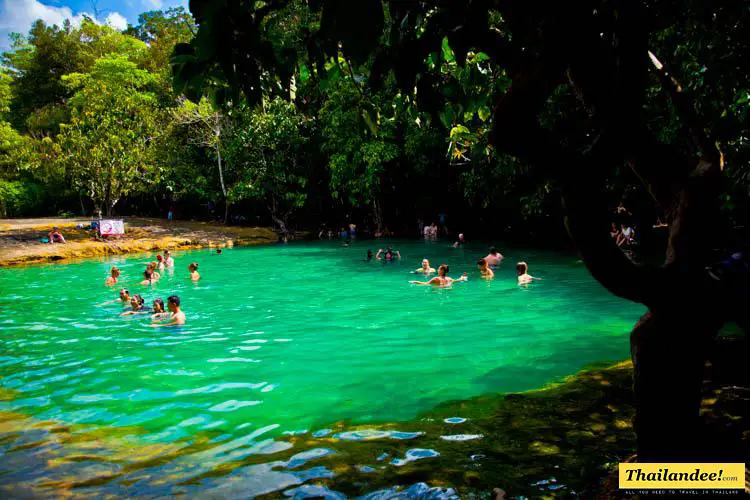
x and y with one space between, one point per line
284 339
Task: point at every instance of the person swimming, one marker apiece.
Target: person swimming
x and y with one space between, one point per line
114 273
524 278
168 260
152 266
193 268
148 278
494 258
442 279
426 268
136 303
158 310
124 295
218 251
177 317
389 255
460 242
370 256
484 269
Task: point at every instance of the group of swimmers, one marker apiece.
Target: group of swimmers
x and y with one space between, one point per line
172 316
486 266
152 275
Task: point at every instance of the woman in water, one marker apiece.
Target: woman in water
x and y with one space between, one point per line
426 268
442 279
136 302
160 261
152 266
389 255
148 279
524 278
168 260
484 269
193 268
159 312
114 274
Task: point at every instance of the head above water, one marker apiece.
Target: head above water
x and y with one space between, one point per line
158 305
167 254
218 251
159 258
173 302
426 263
115 271
136 301
443 270
124 294
482 263
148 274
193 266
493 251
522 268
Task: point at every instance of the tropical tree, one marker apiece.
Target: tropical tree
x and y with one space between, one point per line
114 118
268 151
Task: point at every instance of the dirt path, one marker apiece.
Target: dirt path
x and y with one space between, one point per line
20 238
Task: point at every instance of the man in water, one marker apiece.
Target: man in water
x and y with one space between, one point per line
485 270
389 255
426 268
442 279
125 295
461 241
494 258
177 317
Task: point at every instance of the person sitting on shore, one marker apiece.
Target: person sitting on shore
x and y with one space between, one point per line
168 260
524 278
389 255
177 317
442 279
494 258
112 278
193 268
148 278
626 235
160 262
426 268
614 232
136 303
152 266
55 236
484 269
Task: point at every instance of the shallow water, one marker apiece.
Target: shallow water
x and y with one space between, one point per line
286 339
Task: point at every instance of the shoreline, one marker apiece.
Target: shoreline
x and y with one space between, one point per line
20 243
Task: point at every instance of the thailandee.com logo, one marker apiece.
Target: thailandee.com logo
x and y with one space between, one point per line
682 476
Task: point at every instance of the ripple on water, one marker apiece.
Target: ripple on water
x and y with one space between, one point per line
233 405
413 455
462 437
454 420
368 434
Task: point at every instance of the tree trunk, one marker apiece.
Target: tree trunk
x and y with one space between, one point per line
83 208
223 187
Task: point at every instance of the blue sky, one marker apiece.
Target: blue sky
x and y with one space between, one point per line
18 15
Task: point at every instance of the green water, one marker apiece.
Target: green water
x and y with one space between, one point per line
286 339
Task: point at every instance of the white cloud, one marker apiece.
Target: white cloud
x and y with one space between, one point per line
18 15
117 21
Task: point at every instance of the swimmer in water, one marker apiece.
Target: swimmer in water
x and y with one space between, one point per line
461 241
218 251
370 256
389 255
168 260
177 317
136 302
124 295
158 311
442 279
524 278
114 274
426 268
193 268
494 258
160 261
148 278
152 266
484 269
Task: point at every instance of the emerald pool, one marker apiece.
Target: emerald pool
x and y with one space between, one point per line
287 340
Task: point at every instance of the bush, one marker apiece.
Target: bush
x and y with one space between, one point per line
19 198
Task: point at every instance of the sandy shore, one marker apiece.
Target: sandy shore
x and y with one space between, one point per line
20 238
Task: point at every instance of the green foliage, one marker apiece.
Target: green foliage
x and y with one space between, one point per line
113 118
268 150
19 197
